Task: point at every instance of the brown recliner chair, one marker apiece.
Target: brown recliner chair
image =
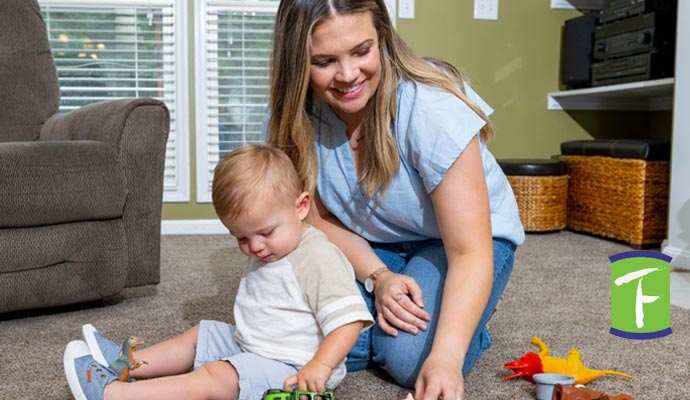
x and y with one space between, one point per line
80 192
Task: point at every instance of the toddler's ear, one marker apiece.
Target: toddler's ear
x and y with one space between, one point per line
303 205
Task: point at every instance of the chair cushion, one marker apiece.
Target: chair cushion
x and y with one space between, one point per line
647 149
45 183
29 88
61 264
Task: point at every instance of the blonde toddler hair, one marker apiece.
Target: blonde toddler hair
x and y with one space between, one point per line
251 172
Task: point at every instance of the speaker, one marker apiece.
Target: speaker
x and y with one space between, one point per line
578 41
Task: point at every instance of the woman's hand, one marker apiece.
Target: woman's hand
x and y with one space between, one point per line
311 377
440 377
399 304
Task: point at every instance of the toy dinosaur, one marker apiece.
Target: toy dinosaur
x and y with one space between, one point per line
532 363
126 362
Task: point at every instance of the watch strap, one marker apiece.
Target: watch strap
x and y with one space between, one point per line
377 272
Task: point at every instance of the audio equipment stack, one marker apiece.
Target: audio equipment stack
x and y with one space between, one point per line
634 41
627 41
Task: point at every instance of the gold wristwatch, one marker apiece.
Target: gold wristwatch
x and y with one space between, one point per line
370 282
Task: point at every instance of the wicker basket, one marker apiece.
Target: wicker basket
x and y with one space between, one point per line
541 201
618 198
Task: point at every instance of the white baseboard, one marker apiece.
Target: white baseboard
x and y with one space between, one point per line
192 227
680 257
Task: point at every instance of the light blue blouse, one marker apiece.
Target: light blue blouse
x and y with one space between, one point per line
432 127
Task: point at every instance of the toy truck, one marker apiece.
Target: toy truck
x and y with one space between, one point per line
277 394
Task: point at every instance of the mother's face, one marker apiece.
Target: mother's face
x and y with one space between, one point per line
345 65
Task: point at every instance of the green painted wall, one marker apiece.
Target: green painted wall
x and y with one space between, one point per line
513 63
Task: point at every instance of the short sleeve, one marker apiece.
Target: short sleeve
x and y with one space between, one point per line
328 283
436 126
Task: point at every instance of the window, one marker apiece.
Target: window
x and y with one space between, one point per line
233 46
110 49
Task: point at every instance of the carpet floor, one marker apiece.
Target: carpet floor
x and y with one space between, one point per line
559 292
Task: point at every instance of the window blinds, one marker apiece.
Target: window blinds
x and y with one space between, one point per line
234 41
109 49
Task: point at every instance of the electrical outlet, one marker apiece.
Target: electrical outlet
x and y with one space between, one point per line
485 9
406 9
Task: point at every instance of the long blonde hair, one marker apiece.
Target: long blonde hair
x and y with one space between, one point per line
290 127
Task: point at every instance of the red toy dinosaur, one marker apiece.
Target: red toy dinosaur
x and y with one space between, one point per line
532 363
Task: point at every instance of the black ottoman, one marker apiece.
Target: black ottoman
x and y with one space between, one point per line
541 190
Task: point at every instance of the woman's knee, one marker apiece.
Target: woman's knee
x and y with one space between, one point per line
402 356
403 370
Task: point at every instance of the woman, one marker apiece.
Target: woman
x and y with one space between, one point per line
393 149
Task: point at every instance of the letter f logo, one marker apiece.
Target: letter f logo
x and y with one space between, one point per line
650 296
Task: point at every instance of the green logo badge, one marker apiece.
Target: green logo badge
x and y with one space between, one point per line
640 295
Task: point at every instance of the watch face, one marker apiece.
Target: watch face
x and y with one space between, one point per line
369 285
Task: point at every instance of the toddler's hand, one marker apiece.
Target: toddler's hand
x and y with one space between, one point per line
311 377
409 397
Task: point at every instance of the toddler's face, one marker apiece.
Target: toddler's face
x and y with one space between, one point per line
271 228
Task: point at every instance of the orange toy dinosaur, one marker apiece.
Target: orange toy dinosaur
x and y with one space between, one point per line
532 363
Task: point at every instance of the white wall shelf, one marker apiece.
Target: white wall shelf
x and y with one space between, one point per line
583 4
653 95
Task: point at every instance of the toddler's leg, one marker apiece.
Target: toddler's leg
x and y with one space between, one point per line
171 357
215 380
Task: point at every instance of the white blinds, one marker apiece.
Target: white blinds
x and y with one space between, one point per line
108 49
234 40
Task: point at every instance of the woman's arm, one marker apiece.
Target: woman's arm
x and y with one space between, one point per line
398 295
461 203
356 248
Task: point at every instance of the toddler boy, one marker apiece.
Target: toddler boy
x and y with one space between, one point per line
298 311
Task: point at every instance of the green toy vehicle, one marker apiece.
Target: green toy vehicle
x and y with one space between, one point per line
277 394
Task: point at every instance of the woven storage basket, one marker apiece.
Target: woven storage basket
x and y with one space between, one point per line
541 191
619 198
541 201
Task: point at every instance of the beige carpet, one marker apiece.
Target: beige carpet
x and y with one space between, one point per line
559 291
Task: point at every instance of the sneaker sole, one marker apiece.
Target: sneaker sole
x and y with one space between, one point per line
88 333
74 350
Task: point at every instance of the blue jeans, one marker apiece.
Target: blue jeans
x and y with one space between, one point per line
402 356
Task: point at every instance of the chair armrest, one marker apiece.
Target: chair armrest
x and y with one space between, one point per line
138 131
105 121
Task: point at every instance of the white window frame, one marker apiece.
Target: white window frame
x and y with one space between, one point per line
180 190
203 175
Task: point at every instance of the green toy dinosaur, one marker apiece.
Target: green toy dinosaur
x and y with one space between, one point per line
126 362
